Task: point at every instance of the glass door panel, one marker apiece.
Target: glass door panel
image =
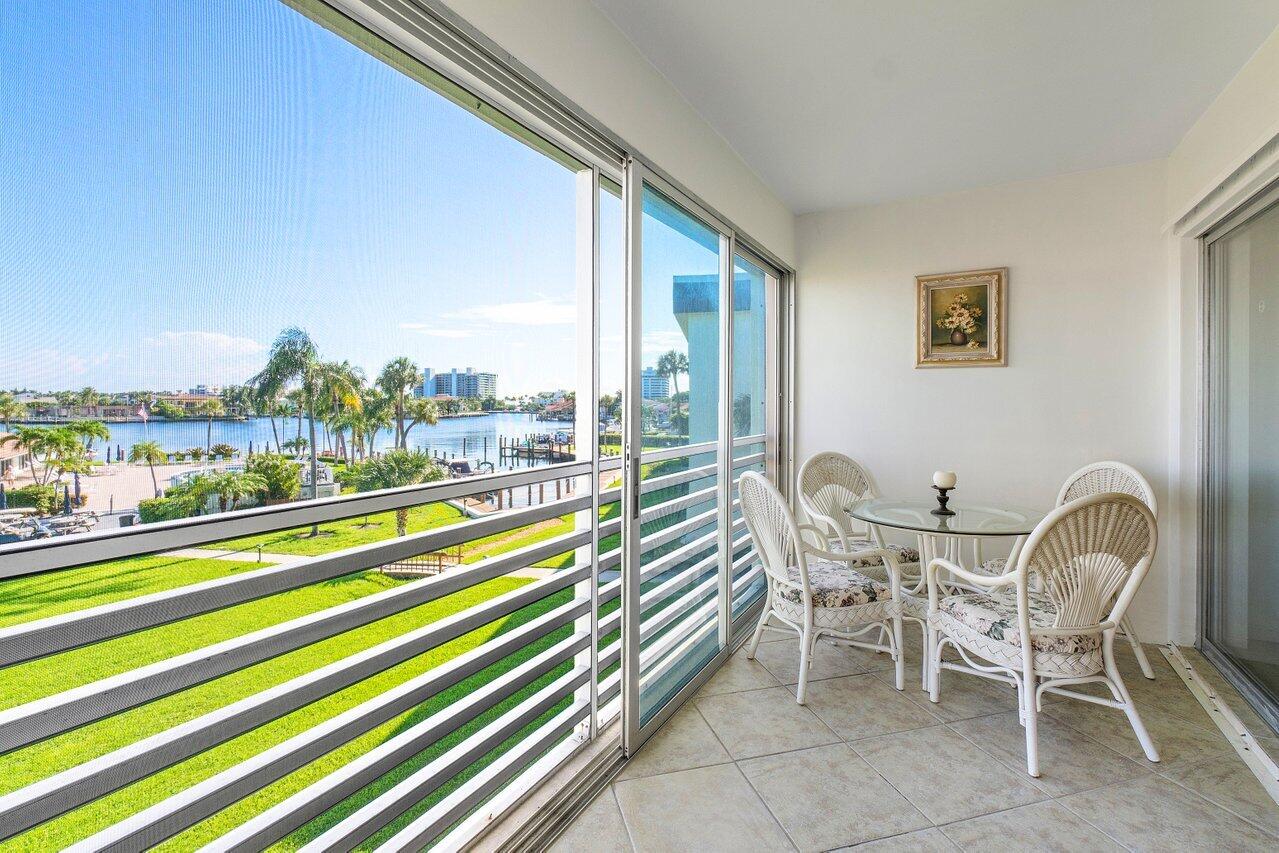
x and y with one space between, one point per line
679 560
1243 589
754 289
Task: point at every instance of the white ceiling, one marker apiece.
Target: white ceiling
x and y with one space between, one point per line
836 103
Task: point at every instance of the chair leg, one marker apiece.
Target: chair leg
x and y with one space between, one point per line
924 658
933 664
900 656
1120 690
1030 719
805 660
1133 640
759 632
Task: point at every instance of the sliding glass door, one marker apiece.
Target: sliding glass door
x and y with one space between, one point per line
1241 578
701 353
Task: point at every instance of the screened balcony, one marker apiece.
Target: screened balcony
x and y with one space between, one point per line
409 397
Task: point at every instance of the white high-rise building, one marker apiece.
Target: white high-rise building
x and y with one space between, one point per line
654 385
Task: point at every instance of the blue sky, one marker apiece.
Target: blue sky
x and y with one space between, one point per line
179 181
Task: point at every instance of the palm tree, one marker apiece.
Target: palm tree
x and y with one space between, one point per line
396 379
86 397
395 469
231 487
672 364
152 454
347 376
90 430
11 409
209 409
420 411
56 449
375 416
295 358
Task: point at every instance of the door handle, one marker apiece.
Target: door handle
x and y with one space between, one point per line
633 464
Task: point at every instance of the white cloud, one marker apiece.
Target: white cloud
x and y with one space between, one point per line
424 329
206 343
539 312
659 342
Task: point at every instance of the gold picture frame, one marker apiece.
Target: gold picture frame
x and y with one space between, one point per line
962 319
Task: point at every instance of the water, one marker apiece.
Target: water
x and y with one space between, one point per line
445 438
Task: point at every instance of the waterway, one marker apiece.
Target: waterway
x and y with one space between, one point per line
473 437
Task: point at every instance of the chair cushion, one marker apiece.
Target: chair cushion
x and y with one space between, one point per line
994 614
835 585
995 567
905 556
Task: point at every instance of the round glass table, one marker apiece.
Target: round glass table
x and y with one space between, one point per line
969 519
942 535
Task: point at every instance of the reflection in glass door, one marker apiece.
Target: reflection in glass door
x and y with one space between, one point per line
754 412
675 448
1241 580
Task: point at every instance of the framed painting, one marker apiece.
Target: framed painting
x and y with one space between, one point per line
962 319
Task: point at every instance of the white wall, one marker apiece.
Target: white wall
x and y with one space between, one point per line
1088 344
575 48
1230 153
1238 123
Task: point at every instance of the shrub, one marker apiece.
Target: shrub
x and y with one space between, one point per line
283 477
196 453
42 498
223 450
167 508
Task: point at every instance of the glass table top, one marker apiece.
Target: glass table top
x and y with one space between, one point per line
968 520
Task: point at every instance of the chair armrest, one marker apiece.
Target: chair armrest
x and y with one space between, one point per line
989 581
846 557
821 539
842 556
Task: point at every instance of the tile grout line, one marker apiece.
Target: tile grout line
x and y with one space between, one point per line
841 741
1213 803
1021 768
630 838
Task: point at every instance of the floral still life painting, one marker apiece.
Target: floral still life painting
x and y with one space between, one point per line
962 319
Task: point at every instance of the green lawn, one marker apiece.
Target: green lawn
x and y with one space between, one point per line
38 595
347 533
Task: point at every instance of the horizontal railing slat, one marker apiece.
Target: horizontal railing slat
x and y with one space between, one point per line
40 555
412 790
665 453
186 808
48 798
429 826
44 637
51 715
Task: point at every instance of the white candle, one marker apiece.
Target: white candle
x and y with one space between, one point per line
944 479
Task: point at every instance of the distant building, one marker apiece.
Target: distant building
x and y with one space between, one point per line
206 391
190 403
464 384
654 385
14 458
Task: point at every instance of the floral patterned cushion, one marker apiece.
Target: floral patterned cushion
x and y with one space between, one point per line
835 585
994 614
905 556
994 568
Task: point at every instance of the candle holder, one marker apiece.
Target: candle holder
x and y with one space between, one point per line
942 498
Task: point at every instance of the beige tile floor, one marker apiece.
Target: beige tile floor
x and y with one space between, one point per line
742 767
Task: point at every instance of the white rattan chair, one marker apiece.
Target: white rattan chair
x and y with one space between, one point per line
829 483
1050 622
813 591
1095 479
